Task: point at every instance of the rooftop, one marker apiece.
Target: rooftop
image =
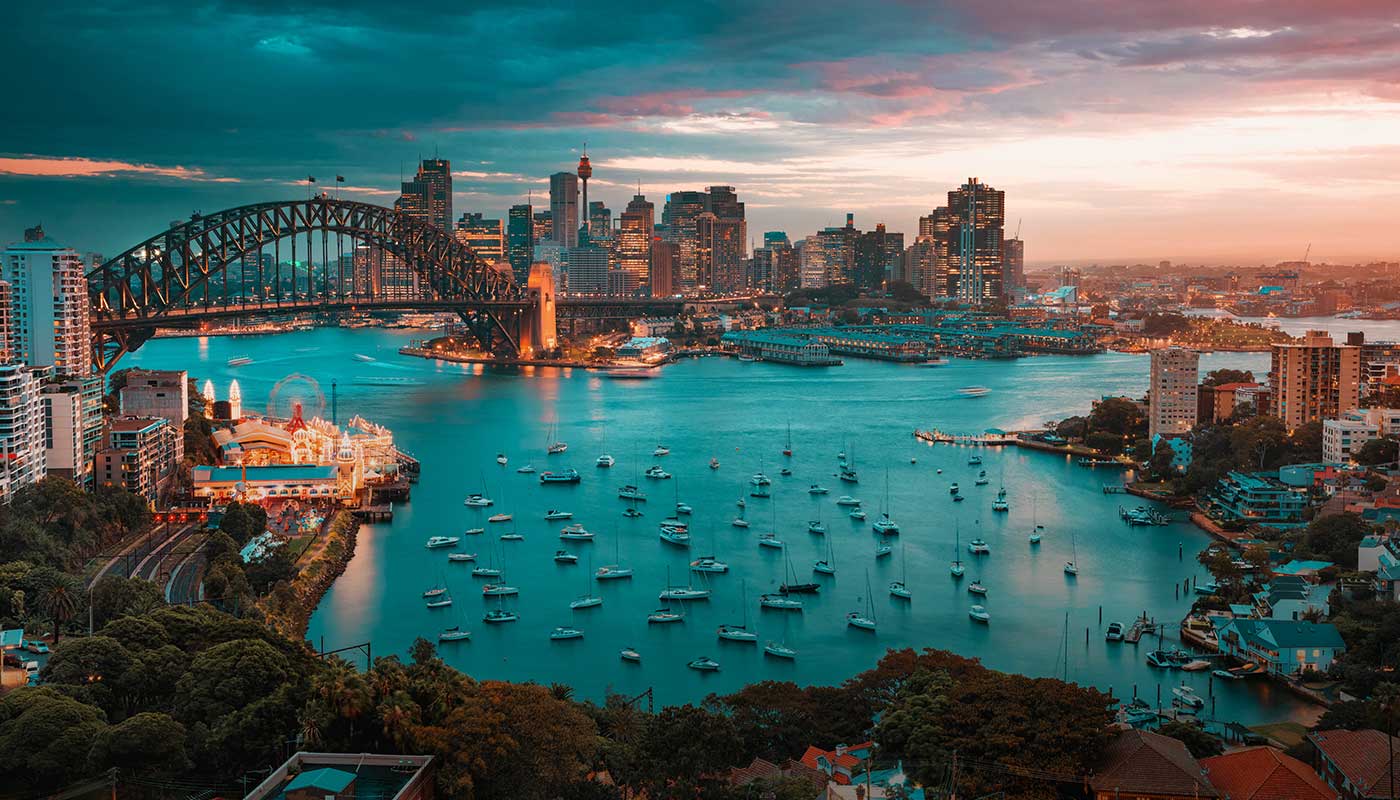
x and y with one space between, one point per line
1363 757
382 777
1263 773
1142 762
272 472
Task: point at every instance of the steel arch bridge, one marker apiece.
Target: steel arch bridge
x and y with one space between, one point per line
213 266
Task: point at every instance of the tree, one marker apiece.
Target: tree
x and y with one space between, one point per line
114 596
60 604
1258 443
1104 442
1378 451
1306 442
1220 377
1334 537
148 744
45 737
1162 458
1117 415
1199 741
1072 428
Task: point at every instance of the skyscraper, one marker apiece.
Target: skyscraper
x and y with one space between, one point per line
21 430
979 214
1013 273
487 237
599 221
942 281
520 241
634 237
665 260
878 253
544 226
679 216
428 197
563 207
921 266
588 269
1171 394
49 306
718 253
1315 379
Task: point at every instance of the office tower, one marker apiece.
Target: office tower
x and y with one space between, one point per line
622 283
544 227
921 266
1315 379
588 269
761 269
1172 391
718 253
72 409
22 450
979 214
878 254
428 197
49 306
679 217
139 456
557 257
585 171
938 225
665 260
599 221
1013 254
813 271
833 251
487 237
724 204
634 237
6 299
785 268
563 208
520 241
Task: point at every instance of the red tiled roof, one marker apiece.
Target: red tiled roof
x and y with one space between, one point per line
1263 773
1230 387
758 770
846 760
1362 756
1142 762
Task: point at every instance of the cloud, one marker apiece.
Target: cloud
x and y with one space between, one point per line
80 167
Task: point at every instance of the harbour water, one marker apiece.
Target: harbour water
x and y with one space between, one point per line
455 418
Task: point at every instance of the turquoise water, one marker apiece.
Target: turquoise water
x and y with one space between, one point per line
457 417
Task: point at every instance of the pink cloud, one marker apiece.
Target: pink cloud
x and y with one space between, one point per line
80 167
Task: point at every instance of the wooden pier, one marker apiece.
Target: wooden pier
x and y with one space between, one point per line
384 513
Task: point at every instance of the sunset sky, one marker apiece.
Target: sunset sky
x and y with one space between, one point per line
1221 131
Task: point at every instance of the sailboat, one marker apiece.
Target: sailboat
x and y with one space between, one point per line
709 563
739 633
553 445
682 509
1000 503
787 451
826 566
499 614
490 571
682 593
1037 530
884 525
883 547
587 599
794 587
864 620
847 473
956 568
605 461
900 588
816 525
615 570
780 649
1072 565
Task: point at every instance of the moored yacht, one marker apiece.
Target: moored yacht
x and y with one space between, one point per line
781 602
477 500
885 526
817 489
979 614
665 615
501 459
565 557
612 572
708 564
656 473
525 470
847 500
442 541
736 633
770 540
461 556
631 492
499 518
576 532
630 654
565 632
704 664
553 515
857 514
604 461
498 615
979 547
453 634
779 650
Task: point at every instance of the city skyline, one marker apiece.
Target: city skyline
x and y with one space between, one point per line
1125 131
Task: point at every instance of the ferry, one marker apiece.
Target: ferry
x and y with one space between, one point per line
605 461
499 518
704 664
779 601
576 532
630 654
553 515
496 615
561 633
630 492
442 541
569 475
461 557
477 500
239 361
565 557
708 564
974 391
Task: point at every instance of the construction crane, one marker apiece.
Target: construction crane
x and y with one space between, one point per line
1018 228
1307 253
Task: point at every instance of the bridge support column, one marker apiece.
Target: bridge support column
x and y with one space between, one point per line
539 334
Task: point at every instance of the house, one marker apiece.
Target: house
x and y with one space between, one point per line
761 771
1286 647
1258 498
324 776
1264 773
1381 555
1356 763
1149 766
1291 597
321 784
839 764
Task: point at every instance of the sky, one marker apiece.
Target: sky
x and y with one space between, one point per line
1202 131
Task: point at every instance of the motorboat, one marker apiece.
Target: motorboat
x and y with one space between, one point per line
553 515
846 500
576 532
656 473
704 664
1188 696
475 531
760 479
630 654
499 518
676 536
565 557
501 459
665 615
740 522
976 587
974 460
630 492
525 470
493 589
779 650
477 500
778 601
1071 568
770 540
953 489
785 471
513 537
453 634
848 475
586 601
239 361
612 573
714 463
683 593
1160 659
979 547
979 614
563 632
817 489
436 591
661 450
759 491
885 526
1114 632
605 461
461 556
498 615
440 602
816 526
1195 665
982 479
974 391
568 475
858 515
708 564
1228 675
957 498
736 633
442 541
631 512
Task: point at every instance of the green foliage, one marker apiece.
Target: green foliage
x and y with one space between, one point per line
1118 415
199 442
1199 741
1164 324
148 744
55 523
1378 451
1105 442
1072 428
243 521
1334 538
1220 377
45 737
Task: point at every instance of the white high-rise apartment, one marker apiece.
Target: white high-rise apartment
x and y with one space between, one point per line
1172 394
22 451
49 324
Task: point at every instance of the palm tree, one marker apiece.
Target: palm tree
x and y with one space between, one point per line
398 714
60 605
561 691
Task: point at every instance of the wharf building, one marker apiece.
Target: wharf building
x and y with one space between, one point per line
781 347
1314 379
1172 392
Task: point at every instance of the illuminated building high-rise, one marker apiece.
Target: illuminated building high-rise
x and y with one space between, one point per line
599 221
563 207
1171 394
487 237
979 212
878 254
718 253
428 197
679 217
49 306
520 241
634 236
939 226
1315 379
665 261
1013 254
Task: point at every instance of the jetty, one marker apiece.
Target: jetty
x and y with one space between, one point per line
988 438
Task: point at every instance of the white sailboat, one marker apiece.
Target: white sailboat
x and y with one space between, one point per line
863 620
1072 565
587 599
884 525
615 570
900 588
826 566
780 649
957 568
741 632
1037 530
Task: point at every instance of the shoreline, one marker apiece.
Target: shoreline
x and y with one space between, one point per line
316 577
433 355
